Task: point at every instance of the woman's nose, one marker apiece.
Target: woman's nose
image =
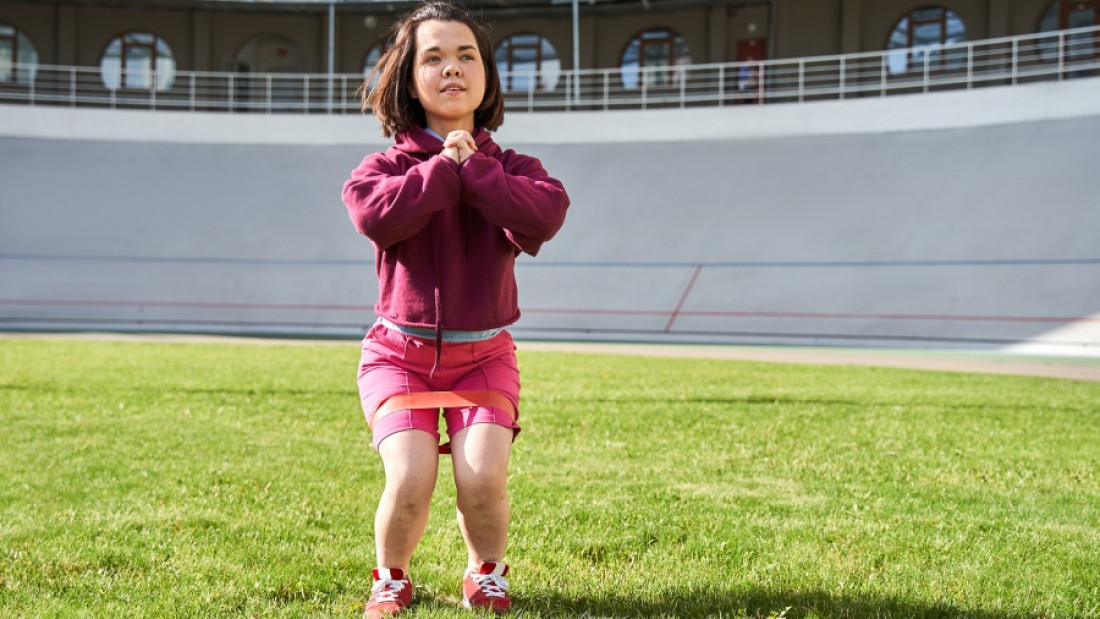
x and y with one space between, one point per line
451 70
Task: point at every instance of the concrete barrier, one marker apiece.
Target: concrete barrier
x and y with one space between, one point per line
948 220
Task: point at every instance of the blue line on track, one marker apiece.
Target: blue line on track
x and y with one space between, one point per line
183 259
802 264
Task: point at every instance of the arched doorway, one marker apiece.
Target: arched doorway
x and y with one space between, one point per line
265 64
1076 47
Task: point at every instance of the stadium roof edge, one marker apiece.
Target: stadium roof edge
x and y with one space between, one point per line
487 8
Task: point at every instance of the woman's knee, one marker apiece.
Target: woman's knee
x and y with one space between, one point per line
410 492
411 461
483 490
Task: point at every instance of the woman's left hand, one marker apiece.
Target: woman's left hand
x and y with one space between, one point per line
459 145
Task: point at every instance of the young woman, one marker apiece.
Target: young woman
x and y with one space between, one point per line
447 211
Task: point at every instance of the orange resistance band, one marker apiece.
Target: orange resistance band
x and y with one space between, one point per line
443 399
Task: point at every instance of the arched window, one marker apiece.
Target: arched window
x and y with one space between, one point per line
271 53
527 61
1066 14
374 54
926 31
18 56
661 49
132 60
1063 14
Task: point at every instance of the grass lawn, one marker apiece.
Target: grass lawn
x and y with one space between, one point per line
222 480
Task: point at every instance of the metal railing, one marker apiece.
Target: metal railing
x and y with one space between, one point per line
1047 56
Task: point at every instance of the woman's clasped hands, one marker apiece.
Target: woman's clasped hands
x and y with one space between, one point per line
459 145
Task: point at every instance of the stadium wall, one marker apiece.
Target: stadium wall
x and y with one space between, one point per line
964 219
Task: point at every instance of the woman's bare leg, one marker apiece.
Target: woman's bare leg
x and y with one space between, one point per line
480 457
411 460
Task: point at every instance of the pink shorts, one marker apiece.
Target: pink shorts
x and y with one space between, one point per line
394 363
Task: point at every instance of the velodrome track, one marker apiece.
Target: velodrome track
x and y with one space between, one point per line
962 220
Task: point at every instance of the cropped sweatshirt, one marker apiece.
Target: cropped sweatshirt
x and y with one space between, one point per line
445 235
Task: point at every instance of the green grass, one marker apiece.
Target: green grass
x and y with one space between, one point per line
156 480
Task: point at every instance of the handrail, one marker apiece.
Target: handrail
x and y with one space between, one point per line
1054 55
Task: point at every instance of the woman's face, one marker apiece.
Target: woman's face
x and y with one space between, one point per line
448 75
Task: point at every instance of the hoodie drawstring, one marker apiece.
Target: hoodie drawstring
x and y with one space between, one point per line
438 301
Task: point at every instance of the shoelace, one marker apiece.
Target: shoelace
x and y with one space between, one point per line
387 590
491 584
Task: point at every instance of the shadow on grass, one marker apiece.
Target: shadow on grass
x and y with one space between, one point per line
762 604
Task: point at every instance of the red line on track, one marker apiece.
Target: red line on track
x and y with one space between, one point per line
595 312
683 298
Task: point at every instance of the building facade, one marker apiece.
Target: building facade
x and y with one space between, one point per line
348 37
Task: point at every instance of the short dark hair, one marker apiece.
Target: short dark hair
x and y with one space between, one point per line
390 100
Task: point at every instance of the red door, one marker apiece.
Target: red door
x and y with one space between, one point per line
750 75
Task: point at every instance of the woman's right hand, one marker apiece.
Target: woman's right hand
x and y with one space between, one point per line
459 145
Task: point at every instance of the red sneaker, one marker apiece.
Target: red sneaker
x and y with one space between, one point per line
486 588
391 594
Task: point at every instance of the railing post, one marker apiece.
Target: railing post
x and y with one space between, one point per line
683 85
761 82
927 56
606 89
801 79
153 90
191 92
1015 57
229 98
1061 55
645 85
305 94
531 92
569 90
969 65
721 84
884 70
267 93
843 66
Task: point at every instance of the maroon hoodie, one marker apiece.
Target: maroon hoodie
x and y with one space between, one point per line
446 236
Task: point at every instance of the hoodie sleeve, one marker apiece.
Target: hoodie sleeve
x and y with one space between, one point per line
516 194
389 206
